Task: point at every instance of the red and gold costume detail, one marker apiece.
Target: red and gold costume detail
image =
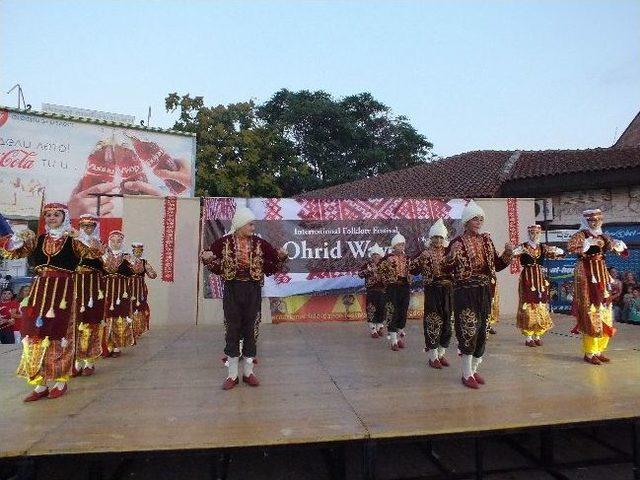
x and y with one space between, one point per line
534 317
89 294
592 283
140 311
47 324
118 330
244 258
375 302
243 262
438 297
474 262
395 273
89 291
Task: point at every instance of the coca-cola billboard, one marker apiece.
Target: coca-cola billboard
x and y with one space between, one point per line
74 162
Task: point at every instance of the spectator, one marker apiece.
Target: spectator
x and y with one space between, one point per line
616 294
627 295
629 280
633 307
8 309
22 299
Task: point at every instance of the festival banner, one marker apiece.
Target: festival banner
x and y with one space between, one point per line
71 160
327 239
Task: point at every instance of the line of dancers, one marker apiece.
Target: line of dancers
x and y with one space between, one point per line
461 296
88 300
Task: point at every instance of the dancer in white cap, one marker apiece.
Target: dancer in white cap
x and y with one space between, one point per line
396 276
242 259
374 291
438 295
534 316
592 284
474 262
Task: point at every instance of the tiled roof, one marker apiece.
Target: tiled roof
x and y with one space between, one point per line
558 162
482 173
471 174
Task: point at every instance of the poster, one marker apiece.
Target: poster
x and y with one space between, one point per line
72 162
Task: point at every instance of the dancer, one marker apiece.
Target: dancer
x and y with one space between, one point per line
534 317
395 273
374 291
242 259
46 326
474 263
438 295
89 293
592 297
118 330
140 268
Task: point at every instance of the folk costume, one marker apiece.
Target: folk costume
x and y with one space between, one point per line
118 329
474 262
395 272
374 287
592 296
534 317
47 323
89 290
242 260
438 295
140 311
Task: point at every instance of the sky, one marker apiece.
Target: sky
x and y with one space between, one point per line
469 75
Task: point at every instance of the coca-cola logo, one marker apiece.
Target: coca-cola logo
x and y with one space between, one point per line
4 116
18 158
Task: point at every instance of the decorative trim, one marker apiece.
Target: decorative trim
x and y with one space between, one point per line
514 229
169 238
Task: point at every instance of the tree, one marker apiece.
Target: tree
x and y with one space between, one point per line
236 156
342 141
295 142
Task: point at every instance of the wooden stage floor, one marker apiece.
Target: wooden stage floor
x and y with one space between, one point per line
320 383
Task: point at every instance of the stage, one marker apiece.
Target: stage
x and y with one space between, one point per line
325 384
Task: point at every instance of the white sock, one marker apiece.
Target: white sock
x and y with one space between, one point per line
372 326
78 364
393 337
529 338
536 337
467 370
248 366
88 364
475 363
379 326
59 385
432 354
233 367
441 352
116 349
40 388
